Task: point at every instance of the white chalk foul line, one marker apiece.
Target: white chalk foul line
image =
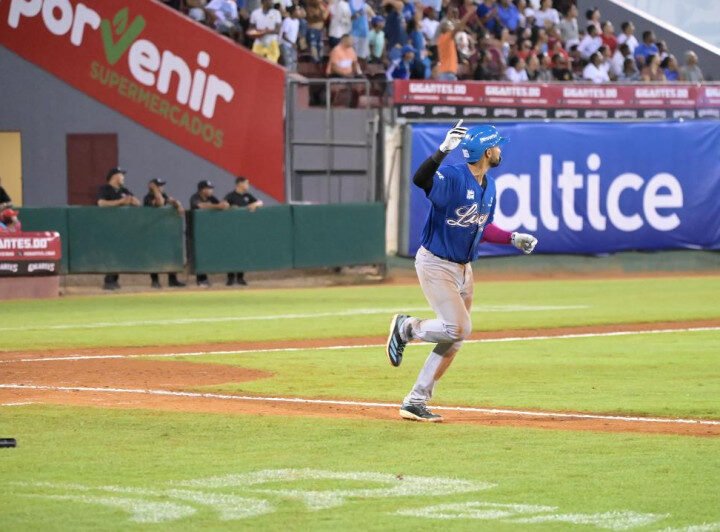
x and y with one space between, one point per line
332 402
309 315
361 346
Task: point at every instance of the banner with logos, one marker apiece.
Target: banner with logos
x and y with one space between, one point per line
594 188
475 99
30 253
175 77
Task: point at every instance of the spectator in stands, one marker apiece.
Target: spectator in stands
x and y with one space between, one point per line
114 194
465 45
316 14
340 21
447 51
224 17
10 222
289 31
241 198
545 69
594 70
569 32
376 39
546 13
590 43
557 48
508 15
630 72
690 71
343 62
204 199
526 14
628 36
525 49
5 200
617 61
662 50
265 24
196 10
487 13
515 72
156 197
608 36
402 68
652 71
395 34
361 15
560 70
670 68
429 25
532 68
647 48
593 18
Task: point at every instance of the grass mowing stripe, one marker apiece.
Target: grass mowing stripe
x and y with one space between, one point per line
220 319
363 346
492 411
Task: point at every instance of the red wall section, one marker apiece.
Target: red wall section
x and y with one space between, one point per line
169 74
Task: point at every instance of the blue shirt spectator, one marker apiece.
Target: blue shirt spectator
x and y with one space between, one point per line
394 28
488 9
508 15
646 48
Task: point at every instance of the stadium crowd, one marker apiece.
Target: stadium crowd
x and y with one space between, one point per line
509 40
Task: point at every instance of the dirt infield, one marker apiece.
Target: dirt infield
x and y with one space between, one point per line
160 385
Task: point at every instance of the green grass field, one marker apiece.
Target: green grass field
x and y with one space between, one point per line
118 469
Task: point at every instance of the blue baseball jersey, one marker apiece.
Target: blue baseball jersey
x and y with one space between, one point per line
461 208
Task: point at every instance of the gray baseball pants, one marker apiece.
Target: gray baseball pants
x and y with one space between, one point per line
448 287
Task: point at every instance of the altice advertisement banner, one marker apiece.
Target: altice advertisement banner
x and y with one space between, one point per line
595 188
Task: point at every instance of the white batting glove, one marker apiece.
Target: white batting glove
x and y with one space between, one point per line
524 242
453 138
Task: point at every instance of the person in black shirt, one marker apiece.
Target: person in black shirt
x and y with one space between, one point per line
5 201
240 197
156 197
205 200
114 194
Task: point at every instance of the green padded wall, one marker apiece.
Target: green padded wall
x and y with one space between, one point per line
48 219
240 240
339 235
125 239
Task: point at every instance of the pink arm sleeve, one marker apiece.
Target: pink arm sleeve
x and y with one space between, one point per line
495 235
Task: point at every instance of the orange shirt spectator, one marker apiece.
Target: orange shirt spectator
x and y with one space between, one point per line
447 53
343 60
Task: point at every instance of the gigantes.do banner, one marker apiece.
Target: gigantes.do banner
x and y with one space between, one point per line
30 253
479 99
174 76
595 188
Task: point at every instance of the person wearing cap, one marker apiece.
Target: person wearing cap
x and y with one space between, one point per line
462 200
5 200
204 199
376 39
401 68
114 194
156 197
9 222
241 198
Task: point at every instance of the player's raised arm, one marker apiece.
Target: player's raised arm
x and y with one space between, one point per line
424 175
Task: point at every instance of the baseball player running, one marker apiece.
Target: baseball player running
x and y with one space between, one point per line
463 204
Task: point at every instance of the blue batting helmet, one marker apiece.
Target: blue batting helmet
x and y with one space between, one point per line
478 139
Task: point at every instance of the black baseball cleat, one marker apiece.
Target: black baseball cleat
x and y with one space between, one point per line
155 284
418 413
395 344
